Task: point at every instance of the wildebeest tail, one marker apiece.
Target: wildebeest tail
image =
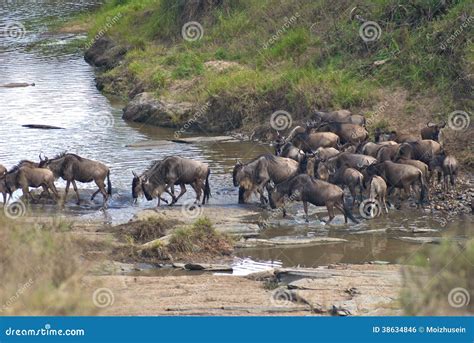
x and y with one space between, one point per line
109 184
348 212
207 189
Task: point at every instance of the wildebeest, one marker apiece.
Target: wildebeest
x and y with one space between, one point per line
137 187
310 141
290 151
387 152
371 148
254 175
448 165
356 161
347 176
4 189
72 168
382 136
400 176
424 150
342 116
308 189
431 131
378 191
175 170
3 170
24 177
348 133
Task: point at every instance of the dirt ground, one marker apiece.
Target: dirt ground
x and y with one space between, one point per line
339 290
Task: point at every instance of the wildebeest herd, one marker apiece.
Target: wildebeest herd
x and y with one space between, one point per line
313 164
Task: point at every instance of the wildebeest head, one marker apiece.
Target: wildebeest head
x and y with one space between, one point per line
431 131
151 189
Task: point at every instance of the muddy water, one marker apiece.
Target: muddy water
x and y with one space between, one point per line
65 95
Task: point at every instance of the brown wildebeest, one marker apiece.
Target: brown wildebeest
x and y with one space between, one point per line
309 141
342 116
400 176
290 151
371 148
137 187
356 161
381 136
72 168
449 166
347 176
25 177
378 191
4 189
431 131
175 170
3 170
387 152
348 133
424 150
308 189
254 175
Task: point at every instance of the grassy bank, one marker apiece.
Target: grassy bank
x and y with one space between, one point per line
40 270
256 57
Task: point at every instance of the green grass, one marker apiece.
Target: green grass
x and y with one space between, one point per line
315 57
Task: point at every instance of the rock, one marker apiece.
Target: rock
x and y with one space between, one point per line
146 108
421 240
289 240
220 66
104 53
17 84
208 267
42 127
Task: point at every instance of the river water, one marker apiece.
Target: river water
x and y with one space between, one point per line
65 95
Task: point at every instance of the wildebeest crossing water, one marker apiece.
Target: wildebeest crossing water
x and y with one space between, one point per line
65 96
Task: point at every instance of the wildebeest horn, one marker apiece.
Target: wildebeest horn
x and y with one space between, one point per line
238 163
430 124
134 174
40 156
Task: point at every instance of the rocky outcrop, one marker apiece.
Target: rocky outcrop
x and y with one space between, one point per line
145 108
104 53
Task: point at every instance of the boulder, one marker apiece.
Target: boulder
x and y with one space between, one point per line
104 53
145 108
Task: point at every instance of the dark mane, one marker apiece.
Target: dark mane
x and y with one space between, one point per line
64 154
14 169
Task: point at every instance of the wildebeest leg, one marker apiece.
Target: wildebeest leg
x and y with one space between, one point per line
353 194
197 188
95 193
101 185
341 208
305 207
77 192
181 193
330 208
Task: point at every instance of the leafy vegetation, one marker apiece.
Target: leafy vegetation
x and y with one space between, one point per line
441 280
